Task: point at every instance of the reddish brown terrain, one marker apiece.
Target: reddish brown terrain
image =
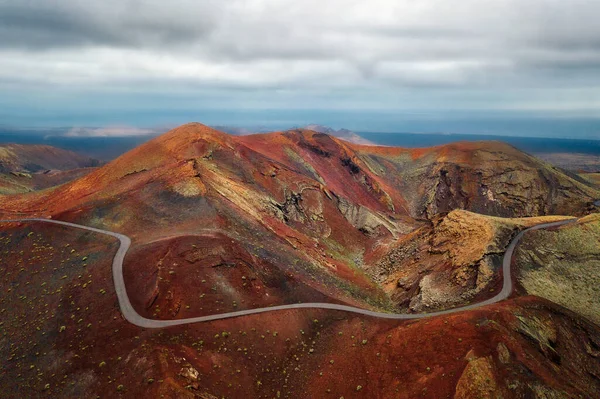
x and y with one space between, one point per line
221 223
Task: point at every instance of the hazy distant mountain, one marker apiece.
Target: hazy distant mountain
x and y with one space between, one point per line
343 134
238 131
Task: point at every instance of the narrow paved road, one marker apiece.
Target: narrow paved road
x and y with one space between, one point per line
133 317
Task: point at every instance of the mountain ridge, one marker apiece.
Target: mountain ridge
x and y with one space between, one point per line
383 177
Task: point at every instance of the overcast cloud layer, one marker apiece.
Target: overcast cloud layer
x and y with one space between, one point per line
99 57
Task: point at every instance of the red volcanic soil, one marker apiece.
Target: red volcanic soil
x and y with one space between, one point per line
63 336
190 276
515 348
57 298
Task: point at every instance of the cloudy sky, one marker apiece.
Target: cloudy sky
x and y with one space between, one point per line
146 63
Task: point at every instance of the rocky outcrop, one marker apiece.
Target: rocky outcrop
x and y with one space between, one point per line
453 261
367 221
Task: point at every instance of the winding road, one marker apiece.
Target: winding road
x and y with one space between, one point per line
135 318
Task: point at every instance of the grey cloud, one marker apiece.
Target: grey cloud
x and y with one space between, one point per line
47 24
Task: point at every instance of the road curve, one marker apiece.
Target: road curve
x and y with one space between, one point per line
134 318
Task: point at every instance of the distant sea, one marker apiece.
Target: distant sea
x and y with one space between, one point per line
527 144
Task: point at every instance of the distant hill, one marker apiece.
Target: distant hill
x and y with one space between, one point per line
343 134
575 155
36 158
97 147
26 168
237 131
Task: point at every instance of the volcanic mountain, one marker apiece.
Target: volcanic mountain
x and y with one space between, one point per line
222 223
321 214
